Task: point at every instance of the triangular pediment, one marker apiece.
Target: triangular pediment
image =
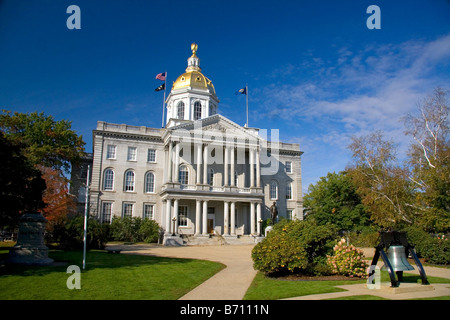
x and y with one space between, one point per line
216 125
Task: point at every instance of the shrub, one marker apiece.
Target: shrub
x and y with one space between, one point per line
294 247
279 254
125 229
367 237
70 234
437 250
347 260
434 250
134 229
149 231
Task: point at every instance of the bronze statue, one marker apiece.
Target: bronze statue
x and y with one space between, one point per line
274 212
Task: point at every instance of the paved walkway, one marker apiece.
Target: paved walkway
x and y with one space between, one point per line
232 282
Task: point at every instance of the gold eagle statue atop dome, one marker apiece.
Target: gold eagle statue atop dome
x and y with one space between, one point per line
194 48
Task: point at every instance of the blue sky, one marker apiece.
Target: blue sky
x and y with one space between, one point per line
314 69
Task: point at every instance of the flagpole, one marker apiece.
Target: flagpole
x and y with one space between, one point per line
246 91
164 101
86 206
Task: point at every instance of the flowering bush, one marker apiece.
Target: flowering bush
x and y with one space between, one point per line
347 260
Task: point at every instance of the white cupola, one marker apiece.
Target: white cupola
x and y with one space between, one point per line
193 96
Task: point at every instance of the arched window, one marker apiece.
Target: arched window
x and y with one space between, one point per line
149 182
180 110
129 181
183 175
273 190
197 110
108 179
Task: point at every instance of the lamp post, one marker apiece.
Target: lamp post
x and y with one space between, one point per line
260 221
174 219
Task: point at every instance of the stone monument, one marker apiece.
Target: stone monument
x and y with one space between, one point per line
30 248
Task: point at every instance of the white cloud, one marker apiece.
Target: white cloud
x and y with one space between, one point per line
368 90
358 93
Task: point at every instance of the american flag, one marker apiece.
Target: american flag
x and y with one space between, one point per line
161 76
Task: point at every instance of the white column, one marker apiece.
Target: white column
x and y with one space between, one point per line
258 217
199 163
232 218
258 170
252 218
205 165
198 213
177 161
252 168
225 217
232 167
225 168
175 214
205 218
168 216
169 165
166 166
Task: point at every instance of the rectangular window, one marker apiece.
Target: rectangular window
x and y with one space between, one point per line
127 210
290 214
182 216
148 211
111 152
106 212
288 167
151 155
289 191
131 156
273 191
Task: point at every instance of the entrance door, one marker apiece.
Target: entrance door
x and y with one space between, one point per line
211 218
210 225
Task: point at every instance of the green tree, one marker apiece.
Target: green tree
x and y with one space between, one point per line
333 199
21 184
429 160
44 140
38 142
381 182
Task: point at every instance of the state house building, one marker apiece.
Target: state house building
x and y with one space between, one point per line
202 173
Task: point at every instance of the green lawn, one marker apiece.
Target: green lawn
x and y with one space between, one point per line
107 276
265 288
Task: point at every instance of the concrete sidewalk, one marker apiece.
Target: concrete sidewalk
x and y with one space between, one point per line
232 282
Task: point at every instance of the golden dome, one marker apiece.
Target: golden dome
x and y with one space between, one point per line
193 77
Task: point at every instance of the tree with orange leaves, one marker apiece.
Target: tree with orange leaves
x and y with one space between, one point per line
59 202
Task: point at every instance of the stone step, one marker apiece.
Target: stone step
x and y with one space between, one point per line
218 240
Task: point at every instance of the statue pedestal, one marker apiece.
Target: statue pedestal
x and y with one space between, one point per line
173 241
30 248
268 229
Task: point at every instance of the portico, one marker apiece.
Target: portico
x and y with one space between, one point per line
227 214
